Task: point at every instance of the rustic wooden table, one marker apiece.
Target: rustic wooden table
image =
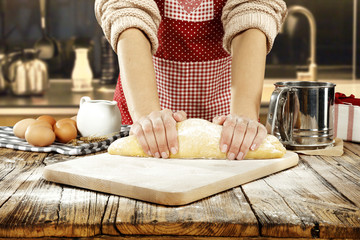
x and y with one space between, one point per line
319 198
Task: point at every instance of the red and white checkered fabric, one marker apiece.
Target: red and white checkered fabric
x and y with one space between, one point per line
190 10
201 89
192 68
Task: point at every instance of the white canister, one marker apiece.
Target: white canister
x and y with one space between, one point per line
98 118
81 75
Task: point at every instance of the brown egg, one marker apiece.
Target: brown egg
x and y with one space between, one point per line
66 120
48 119
65 132
41 123
39 136
20 127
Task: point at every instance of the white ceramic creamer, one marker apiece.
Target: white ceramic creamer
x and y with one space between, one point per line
98 118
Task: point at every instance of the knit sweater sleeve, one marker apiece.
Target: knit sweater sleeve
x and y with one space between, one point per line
116 16
240 15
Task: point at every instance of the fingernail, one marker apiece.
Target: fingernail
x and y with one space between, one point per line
178 115
173 150
240 156
231 156
224 148
149 153
253 146
157 155
164 155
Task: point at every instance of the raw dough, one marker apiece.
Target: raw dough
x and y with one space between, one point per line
198 139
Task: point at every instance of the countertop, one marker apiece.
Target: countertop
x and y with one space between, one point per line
59 99
319 198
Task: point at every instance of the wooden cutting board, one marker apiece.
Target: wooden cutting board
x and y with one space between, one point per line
163 181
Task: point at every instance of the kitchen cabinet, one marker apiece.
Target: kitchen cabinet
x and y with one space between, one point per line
319 198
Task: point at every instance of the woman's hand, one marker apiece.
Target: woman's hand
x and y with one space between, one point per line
239 134
157 133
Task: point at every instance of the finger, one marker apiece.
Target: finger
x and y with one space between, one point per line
180 116
171 133
219 119
159 132
147 127
260 136
251 132
136 129
237 139
227 133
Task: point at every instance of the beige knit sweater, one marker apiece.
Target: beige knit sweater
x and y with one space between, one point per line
115 16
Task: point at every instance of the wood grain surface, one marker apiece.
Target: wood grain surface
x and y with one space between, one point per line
164 181
319 198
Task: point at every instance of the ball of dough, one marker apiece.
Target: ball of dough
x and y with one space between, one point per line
198 139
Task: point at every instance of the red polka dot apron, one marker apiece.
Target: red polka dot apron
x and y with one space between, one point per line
192 68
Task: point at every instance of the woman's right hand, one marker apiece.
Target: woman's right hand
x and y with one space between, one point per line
156 133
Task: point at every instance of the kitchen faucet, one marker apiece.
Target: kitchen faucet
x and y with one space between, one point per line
311 75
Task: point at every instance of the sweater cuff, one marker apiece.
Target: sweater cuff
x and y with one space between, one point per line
123 23
262 21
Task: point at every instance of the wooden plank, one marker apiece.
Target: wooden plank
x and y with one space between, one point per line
194 238
342 174
353 147
23 191
37 208
108 223
224 214
30 214
81 212
17 167
319 198
301 196
275 217
105 237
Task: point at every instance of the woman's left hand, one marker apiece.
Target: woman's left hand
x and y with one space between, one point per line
239 135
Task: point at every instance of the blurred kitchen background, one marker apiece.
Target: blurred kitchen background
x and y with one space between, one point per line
71 25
